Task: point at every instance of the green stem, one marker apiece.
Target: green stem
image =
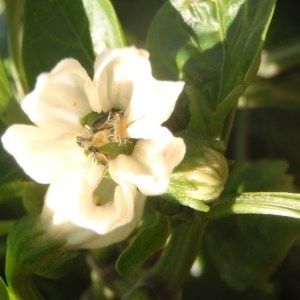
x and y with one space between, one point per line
20 280
164 281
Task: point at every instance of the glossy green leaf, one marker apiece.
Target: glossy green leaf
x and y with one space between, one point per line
53 30
145 244
104 25
248 249
10 111
214 46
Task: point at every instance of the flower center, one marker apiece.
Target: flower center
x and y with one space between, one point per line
105 136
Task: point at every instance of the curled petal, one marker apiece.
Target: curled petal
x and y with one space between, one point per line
116 71
70 212
152 104
61 97
151 163
45 156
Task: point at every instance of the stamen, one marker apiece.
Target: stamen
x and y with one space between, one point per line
107 128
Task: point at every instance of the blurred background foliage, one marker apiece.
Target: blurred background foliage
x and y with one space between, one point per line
266 127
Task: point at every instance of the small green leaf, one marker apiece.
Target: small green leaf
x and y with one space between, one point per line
173 195
104 25
53 30
145 244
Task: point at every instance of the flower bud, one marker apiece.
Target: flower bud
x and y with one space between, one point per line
201 175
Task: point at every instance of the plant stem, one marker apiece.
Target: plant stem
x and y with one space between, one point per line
164 281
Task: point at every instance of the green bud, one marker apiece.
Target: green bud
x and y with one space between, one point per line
200 176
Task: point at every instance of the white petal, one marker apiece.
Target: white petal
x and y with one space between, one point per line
61 97
152 104
71 213
44 155
151 163
116 71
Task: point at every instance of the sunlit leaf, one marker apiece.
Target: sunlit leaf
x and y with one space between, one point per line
214 46
104 25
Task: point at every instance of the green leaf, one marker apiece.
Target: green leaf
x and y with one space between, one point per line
15 12
31 193
253 245
248 249
145 244
31 251
4 295
104 25
53 30
269 175
10 111
213 45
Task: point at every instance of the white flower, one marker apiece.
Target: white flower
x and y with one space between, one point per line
72 148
